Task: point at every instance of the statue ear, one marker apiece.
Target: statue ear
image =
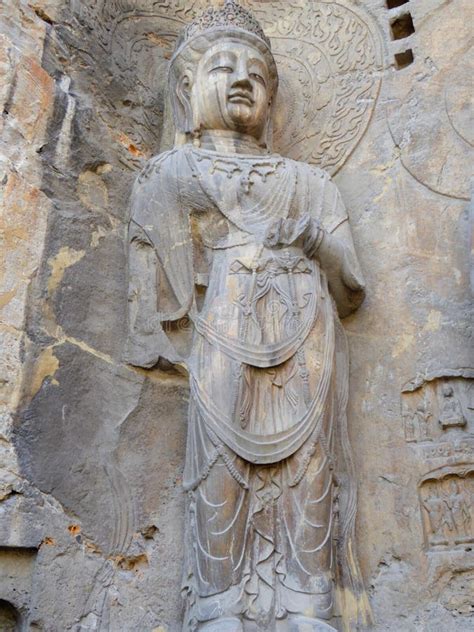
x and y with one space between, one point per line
183 90
266 139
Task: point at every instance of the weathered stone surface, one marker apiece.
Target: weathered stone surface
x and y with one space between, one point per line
91 451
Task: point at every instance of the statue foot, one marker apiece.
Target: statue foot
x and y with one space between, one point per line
307 624
223 624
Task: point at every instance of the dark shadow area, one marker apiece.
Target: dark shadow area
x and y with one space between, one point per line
10 620
402 27
402 60
393 4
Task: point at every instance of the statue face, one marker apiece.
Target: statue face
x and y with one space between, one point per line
231 89
447 391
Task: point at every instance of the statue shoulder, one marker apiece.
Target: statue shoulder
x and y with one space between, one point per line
315 175
155 193
161 164
325 201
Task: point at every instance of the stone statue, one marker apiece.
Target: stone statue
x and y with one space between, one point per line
451 414
423 416
410 426
459 508
437 511
255 252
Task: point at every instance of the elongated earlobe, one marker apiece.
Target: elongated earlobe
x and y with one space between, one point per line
184 95
266 139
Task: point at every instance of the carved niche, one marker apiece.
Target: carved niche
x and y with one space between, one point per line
446 496
438 413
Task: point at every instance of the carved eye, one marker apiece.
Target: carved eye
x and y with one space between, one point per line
223 69
258 78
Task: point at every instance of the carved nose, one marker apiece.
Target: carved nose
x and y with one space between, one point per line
241 75
243 81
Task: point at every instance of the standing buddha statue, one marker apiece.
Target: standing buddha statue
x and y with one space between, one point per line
255 250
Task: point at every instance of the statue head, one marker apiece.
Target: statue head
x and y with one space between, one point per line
454 489
447 390
223 75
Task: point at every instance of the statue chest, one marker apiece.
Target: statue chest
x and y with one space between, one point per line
235 199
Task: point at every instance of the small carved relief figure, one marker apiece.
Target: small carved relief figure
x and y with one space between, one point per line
439 517
451 414
410 427
423 416
460 509
447 522
256 250
448 508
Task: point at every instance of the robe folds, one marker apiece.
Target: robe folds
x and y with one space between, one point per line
271 497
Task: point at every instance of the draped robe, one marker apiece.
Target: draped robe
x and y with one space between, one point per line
268 471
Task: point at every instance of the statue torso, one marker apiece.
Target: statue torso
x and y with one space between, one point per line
262 306
262 299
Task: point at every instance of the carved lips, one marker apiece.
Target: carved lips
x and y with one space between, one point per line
242 97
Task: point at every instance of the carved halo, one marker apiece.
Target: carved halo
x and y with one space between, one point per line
329 53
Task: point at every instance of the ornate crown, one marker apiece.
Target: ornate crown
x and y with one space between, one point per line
231 15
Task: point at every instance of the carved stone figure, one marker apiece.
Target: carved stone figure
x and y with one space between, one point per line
410 427
451 414
423 417
436 508
448 505
255 250
459 509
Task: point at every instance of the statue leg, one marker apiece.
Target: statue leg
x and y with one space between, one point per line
217 531
307 537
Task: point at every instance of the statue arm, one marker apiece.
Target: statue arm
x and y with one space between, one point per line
330 241
160 278
146 341
336 255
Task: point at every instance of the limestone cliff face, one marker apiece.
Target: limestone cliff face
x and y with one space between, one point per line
92 449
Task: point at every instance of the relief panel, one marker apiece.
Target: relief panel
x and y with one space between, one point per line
437 410
447 509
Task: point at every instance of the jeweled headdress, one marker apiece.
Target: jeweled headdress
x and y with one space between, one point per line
230 19
231 15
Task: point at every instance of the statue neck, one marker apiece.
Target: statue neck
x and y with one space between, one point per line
228 142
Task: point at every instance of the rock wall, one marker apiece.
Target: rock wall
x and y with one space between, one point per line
91 449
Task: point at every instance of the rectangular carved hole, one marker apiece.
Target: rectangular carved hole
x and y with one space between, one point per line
402 60
393 4
402 27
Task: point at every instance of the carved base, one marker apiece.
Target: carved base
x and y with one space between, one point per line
293 624
455 422
305 624
225 624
